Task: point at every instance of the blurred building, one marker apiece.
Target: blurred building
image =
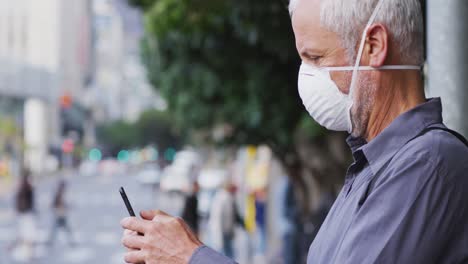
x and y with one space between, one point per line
122 90
46 53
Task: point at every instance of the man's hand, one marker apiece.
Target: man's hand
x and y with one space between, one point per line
165 239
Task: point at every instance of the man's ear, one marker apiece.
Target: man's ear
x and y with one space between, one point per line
377 45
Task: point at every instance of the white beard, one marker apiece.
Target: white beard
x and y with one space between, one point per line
364 99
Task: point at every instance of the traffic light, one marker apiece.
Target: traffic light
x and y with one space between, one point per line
95 155
68 146
123 156
66 101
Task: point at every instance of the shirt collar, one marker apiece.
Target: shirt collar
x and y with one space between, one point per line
398 133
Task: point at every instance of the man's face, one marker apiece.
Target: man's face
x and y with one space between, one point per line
320 47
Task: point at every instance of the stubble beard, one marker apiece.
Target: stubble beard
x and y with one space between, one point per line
364 99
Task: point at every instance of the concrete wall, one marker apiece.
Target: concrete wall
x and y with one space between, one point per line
447 31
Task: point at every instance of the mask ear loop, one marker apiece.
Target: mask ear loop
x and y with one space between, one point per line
369 68
358 61
361 47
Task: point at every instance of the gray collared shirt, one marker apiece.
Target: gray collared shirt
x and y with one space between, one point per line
405 199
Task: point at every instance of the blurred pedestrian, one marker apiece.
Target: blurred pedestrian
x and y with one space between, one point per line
60 209
25 209
260 222
224 217
190 211
289 219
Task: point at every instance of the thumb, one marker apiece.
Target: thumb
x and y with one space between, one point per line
150 214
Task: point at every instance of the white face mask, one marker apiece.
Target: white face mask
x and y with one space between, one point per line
321 96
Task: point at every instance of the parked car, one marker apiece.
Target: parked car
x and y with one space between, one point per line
150 174
179 175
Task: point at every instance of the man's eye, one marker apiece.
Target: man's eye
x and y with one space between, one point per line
314 58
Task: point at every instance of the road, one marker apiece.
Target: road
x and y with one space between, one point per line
95 211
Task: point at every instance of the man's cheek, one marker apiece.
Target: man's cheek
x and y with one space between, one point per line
342 80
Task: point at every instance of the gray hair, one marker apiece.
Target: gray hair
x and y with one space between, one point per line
403 19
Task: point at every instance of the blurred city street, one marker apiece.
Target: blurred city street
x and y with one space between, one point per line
95 213
192 107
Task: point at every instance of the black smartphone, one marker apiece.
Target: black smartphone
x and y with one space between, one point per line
127 204
126 201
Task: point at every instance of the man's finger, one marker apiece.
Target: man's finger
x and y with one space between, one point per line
127 232
134 257
151 214
133 242
131 249
135 224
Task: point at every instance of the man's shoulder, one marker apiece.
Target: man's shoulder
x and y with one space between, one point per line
437 145
442 151
436 160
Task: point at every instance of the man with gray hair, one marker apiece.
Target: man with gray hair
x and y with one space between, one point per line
405 197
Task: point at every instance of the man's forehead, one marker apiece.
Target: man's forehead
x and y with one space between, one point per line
307 27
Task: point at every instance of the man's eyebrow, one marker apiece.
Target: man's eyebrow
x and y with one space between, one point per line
309 51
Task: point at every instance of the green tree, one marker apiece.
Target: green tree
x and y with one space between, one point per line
229 62
118 135
153 127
